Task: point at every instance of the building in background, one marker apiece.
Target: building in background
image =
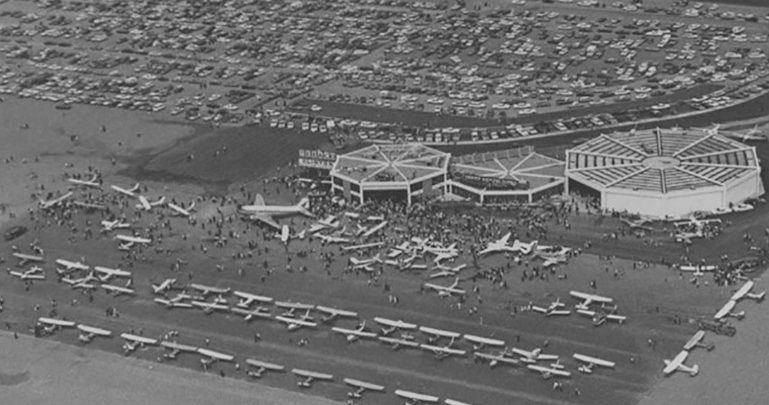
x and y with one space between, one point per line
665 172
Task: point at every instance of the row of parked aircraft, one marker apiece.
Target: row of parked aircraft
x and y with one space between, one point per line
606 311
550 255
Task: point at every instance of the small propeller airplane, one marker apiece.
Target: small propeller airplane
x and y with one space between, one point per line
261 367
697 341
54 202
166 285
588 299
361 387
182 211
442 352
145 204
600 317
310 377
69 266
414 398
362 247
498 246
81 283
93 182
677 364
497 359
548 372
374 229
396 343
446 291
479 343
34 273
446 271
130 192
108 226
51 325
263 213
334 313
292 307
129 241
249 314
211 356
209 307
206 290
294 323
87 333
436 334
354 334
25 258
591 362
358 263
246 299
390 326
555 308
133 342
533 356
329 222
173 349
172 303
117 290
109 273
744 292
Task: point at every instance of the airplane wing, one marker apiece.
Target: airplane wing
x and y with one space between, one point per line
671 366
416 396
742 291
140 339
724 311
484 341
396 324
57 322
215 355
448 401
312 374
694 340
264 365
178 346
593 360
259 200
337 312
93 330
398 342
439 332
266 219
363 384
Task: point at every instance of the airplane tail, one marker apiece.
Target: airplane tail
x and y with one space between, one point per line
695 370
304 205
135 188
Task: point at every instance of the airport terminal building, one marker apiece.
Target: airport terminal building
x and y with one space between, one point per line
507 176
665 172
394 171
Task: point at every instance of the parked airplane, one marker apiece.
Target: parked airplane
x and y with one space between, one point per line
447 291
261 212
334 313
329 222
211 356
209 307
115 224
677 364
131 192
166 285
447 271
109 273
398 343
498 246
292 307
310 377
414 398
744 292
391 326
117 290
555 308
441 253
184 212
34 273
726 310
355 334
549 259
532 356
588 299
436 334
332 239
70 265
591 362
358 263
93 182
548 372
133 342
481 342
374 229
129 241
496 359
294 323
361 387
25 258
696 341
174 349
172 303
246 299
146 205
441 352
261 367
599 318
87 333
51 325
56 201
205 290
362 247
249 314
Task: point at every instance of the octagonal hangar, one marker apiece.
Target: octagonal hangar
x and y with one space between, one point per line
665 172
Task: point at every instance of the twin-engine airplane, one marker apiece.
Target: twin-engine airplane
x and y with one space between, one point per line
259 211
